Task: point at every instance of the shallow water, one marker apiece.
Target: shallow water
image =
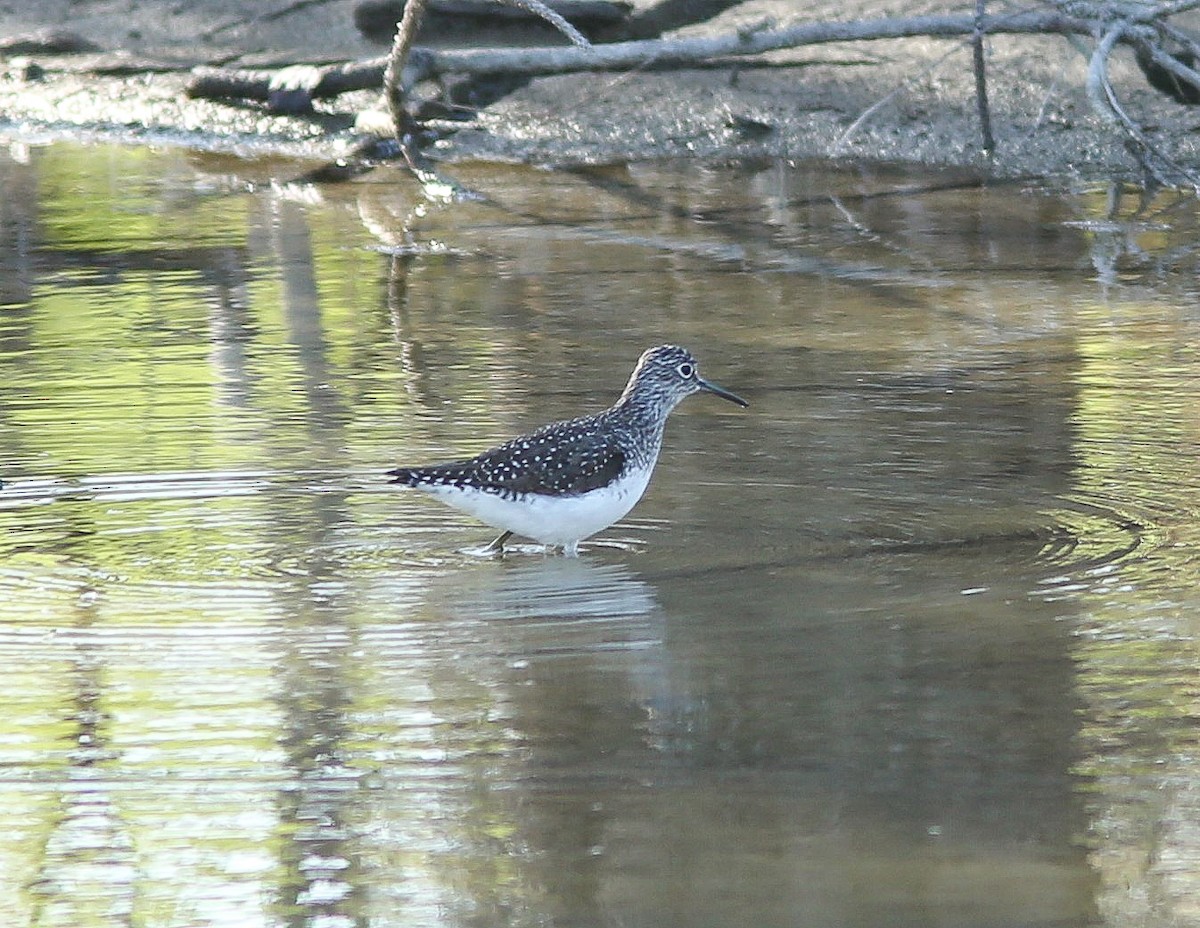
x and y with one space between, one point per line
910 641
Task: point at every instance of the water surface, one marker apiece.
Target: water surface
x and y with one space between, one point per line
910 641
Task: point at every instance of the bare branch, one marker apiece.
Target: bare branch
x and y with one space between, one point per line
981 97
555 19
621 55
887 98
1170 9
227 83
1108 107
428 62
395 81
1099 91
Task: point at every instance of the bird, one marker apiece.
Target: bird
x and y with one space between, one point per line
571 479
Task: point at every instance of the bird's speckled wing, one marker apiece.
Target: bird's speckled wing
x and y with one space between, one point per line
565 458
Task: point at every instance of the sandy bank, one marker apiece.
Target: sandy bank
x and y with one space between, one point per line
130 83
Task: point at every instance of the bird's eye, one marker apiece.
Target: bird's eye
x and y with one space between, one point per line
685 370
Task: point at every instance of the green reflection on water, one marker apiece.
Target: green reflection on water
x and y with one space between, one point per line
102 199
1138 425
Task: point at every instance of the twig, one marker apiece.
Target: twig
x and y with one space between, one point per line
269 16
395 81
553 17
887 98
1049 96
398 77
981 96
1099 90
288 10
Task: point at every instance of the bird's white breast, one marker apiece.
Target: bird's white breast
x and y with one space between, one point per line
549 519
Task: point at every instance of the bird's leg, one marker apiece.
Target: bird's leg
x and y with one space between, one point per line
498 545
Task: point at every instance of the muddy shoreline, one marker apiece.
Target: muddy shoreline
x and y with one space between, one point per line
917 95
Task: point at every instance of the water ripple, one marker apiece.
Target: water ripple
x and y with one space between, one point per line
35 491
1101 544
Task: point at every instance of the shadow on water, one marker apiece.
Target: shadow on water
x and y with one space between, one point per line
910 641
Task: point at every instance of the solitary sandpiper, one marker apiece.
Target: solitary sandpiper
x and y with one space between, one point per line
568 480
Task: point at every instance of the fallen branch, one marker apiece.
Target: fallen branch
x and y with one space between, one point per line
623 55
1159 168
229 83
424 63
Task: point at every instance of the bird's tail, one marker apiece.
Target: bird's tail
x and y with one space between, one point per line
404 475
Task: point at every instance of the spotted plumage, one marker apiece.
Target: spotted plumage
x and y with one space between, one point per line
568 480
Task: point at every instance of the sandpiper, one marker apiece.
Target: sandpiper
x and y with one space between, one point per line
568 480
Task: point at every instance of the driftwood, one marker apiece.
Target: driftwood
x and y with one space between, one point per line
1144 27
425 63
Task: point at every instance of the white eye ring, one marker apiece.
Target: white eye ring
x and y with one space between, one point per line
685 370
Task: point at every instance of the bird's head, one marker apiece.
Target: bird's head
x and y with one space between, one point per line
666 375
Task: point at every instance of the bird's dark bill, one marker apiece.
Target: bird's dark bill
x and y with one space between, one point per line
723 393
